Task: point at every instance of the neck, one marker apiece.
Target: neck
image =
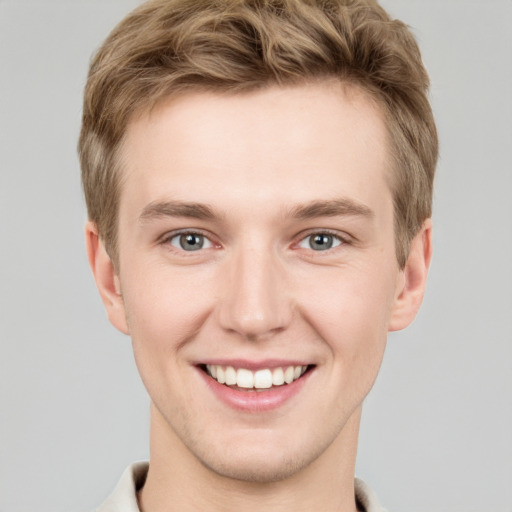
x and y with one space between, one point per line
177 480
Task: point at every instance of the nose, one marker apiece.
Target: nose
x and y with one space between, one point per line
255 302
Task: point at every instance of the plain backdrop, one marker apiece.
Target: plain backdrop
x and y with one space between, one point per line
437 428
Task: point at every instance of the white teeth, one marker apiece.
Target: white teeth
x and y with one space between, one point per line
230 376
289 374
244 378
261 379
278 377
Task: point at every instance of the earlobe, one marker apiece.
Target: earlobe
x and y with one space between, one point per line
106 278
413 279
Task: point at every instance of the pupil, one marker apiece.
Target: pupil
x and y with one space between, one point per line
322 242
191 242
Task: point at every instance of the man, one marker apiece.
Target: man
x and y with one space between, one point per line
258 177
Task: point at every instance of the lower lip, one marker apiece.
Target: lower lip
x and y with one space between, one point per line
255 401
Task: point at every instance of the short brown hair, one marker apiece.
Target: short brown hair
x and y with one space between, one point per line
165 47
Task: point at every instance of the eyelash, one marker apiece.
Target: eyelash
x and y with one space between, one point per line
167 240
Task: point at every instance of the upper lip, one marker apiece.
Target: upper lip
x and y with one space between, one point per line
254 364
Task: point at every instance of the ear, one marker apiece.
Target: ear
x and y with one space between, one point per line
412 280
106 278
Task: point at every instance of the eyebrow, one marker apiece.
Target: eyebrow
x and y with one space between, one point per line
310 210
157 209
331 208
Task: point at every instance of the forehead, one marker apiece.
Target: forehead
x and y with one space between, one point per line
276 145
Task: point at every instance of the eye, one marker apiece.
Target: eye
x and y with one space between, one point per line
320 242
190 241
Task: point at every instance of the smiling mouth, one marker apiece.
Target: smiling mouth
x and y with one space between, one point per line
264 379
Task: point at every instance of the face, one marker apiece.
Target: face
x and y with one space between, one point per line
257 273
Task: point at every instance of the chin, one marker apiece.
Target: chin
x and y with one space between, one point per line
261 458
260 469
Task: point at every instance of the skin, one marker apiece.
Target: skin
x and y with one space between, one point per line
258 289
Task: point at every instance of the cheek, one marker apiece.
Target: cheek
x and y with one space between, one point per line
160 300
351 296
350 310
164 312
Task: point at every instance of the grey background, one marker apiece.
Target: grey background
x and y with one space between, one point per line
437 428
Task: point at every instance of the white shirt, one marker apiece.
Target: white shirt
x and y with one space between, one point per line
124 497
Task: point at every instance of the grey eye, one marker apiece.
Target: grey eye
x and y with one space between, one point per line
320 242
190 241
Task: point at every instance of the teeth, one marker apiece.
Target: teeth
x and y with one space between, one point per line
244 378
278 377
230 376
261 379
288 374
